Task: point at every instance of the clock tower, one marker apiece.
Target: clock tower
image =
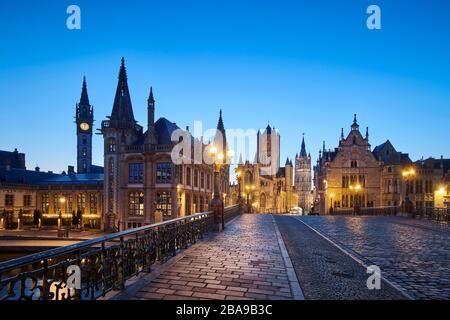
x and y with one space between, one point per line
84 118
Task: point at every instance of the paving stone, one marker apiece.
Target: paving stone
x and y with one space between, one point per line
226 266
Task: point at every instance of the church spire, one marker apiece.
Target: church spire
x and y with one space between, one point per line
151 111
303 150
122 113
84 100
355 125
222 142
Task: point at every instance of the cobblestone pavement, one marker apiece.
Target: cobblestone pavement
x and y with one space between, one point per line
243 262
324 271
412 254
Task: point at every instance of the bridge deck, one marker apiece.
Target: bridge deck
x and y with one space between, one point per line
246 261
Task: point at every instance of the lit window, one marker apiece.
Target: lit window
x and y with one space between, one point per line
136 204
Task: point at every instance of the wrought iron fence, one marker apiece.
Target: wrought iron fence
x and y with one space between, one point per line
104 263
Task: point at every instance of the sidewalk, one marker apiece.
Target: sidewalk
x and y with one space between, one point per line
243 262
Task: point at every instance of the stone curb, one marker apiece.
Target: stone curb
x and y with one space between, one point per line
296 290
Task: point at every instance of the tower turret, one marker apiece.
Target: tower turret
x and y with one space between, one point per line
84 118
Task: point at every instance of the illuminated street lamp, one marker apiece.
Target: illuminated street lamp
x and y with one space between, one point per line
239 177
219 159
407 175
63 202
355 189
331 202
248 190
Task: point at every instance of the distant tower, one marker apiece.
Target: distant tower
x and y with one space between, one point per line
84 119
303 177
268 149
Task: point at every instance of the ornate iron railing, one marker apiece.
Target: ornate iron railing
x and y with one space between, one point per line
102 264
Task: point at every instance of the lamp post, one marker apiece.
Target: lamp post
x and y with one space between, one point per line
63 201
355 191
248 190
238 177
407 175
331 202
216 204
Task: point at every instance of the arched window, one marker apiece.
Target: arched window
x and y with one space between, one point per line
111 145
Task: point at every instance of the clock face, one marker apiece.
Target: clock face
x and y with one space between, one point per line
84 126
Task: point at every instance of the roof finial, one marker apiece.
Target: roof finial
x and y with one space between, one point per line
367 133
342 133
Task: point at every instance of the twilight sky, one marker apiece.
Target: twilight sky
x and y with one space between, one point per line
303 66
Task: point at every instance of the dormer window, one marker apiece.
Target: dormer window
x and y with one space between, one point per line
354 164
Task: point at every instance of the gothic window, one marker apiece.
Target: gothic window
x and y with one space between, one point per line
84 152
135 172
111 145
354 164
389 186
164 203
9 200
93 203
136 203
163 173
84 164
84 140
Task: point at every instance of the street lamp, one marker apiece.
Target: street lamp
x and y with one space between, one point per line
331 202
63 201
355 189
407 175
248 190
219 159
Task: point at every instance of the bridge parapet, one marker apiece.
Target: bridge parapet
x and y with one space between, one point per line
103 264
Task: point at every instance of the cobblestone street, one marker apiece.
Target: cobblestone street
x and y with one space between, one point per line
412 254
244 262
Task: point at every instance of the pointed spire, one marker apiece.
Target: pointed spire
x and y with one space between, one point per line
355 125
222 142
323 147
287 161
122 113
367 133
303 149
240 159
342 133
84 100
150 97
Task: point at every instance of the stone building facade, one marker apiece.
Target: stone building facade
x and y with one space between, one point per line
142 183
353 175
266 190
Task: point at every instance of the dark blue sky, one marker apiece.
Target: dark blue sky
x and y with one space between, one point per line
307 66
